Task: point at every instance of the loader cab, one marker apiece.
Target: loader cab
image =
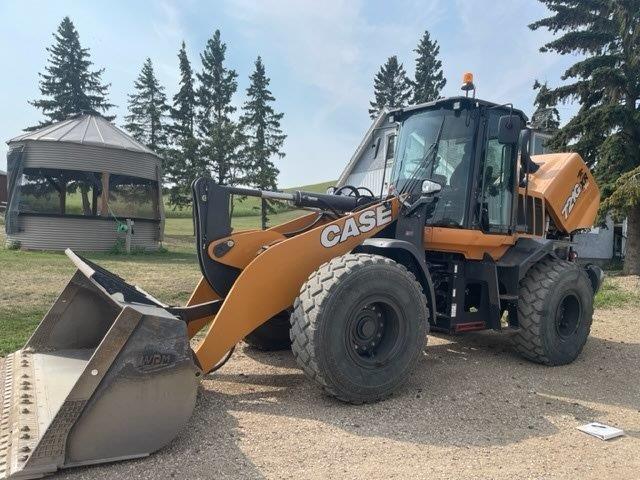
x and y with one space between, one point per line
471 148
460 143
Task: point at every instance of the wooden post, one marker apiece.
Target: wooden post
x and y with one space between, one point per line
104 198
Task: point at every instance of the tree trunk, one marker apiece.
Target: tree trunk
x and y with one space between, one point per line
63 195
94 201
632 249
86 206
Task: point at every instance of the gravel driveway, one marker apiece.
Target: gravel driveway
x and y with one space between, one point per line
473 409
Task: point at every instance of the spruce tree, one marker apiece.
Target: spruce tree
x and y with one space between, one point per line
391 87
69 86
263 135
219 134
606 83
183 111
148 110
546 117
429 79
183 165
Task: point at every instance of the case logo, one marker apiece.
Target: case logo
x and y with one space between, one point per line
332 235
578 188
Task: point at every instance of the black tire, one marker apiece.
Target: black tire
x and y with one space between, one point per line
272 335
555 311
359 326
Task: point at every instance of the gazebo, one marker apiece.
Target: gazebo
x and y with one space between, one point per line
78 183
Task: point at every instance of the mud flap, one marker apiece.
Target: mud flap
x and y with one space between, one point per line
107 375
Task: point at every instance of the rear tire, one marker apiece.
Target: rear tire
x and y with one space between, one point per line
272 335
555 311
358 327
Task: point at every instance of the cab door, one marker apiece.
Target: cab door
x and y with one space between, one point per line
491 222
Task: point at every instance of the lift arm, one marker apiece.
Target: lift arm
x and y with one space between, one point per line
272 277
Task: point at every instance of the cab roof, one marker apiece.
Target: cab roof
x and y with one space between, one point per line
449 101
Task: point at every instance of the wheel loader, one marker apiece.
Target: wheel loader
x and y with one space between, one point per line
473 234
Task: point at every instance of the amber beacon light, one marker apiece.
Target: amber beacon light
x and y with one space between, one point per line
467 84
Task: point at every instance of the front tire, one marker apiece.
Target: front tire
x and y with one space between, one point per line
555 312
358 327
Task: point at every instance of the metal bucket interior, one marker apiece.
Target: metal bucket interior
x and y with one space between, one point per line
100 380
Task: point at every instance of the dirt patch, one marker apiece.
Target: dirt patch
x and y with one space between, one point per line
473 409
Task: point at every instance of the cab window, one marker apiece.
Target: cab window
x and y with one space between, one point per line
438 145
497 179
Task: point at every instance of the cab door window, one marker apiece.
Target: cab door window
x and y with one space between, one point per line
497 180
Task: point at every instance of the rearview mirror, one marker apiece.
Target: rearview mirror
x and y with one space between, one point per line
509 127
429 187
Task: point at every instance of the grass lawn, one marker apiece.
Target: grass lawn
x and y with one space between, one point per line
183 227
617 292
31 281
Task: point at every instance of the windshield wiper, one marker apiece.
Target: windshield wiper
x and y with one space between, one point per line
427 159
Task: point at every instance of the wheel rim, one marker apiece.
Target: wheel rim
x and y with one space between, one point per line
568 316
374 332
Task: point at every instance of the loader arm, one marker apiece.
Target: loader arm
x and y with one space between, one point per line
271 279
250 243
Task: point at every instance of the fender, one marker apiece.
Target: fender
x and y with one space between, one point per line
394 249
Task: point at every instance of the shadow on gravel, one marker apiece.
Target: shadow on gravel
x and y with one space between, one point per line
208 448
470 390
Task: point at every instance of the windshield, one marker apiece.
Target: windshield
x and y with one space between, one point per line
447 161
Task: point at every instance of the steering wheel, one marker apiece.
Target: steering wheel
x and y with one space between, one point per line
353 191
367 191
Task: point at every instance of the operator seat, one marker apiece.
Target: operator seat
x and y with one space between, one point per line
450 207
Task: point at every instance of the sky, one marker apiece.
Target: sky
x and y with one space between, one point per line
321 57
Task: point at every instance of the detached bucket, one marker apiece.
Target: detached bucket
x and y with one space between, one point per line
108 375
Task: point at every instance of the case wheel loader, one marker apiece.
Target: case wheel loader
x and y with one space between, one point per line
473 234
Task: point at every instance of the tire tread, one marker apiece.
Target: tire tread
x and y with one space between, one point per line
309 305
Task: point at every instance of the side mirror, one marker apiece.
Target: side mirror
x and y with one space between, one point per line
429 187
509 127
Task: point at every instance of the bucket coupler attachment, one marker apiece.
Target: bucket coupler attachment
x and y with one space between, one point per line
107 375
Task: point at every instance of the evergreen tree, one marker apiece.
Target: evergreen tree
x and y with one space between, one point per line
148 110
429 79
183 164
220 135
391 87
546 118
264 137
68 85
183 111
606 82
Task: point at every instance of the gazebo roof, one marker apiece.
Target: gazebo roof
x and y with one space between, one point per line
86 129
